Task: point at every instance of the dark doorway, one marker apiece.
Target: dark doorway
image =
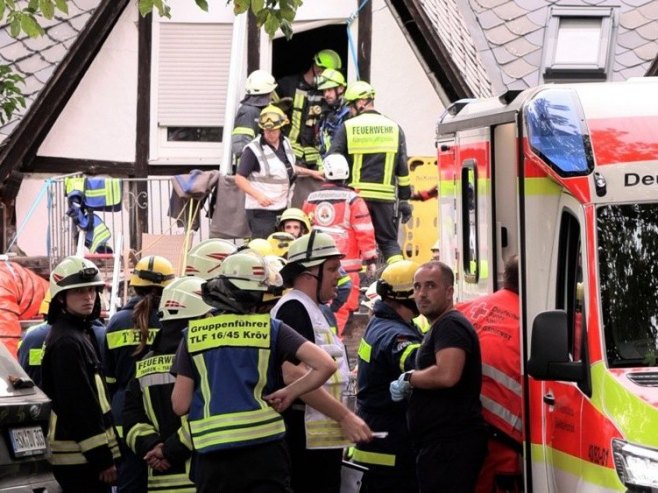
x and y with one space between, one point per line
295 55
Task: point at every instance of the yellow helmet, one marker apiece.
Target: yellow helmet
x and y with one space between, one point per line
280 242
328 59
295 214
45 303
74 272
205 259
153 270
260 246
331 78
397 281
359 89
272 117
181 299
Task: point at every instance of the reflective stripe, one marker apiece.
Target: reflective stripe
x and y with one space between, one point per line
502 412
154 364
102 396
236 427
297 109
394 258
119 429
156 379
244 131
128 337
324 433
503 379
365 351
110 380
184 433
35 356
139 430
344 280
406 353
374 458
164 483
229 331
204 382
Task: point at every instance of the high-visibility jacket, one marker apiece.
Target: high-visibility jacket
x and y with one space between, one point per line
495 318
121 340
323 432
387 349
304 117
149 418
245 125
342 214
81 429
272 179
377 151
30 349
234 365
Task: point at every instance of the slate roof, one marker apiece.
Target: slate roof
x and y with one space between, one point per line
508 38
36 59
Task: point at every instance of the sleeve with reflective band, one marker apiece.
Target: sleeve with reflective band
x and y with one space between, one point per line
234 366
372 142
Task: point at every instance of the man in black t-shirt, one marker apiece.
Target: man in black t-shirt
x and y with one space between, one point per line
444 413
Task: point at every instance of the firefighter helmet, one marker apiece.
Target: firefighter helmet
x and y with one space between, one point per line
181 299
336 167
272 117
259 82
371 296
312 249
330 79
74 272
328 59
397 281
45 303
260 246
295 214
205 259
359 89
280 242
153 270
249 272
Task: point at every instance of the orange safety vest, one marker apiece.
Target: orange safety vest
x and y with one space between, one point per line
496 321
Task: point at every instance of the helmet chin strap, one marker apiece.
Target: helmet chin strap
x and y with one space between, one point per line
319 278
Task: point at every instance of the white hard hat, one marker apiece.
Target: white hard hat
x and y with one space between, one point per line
259 82
336 167
371 296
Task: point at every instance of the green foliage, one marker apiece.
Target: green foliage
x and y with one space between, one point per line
11 97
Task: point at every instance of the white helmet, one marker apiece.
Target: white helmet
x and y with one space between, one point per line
336 167
371 296
182 299
259 82
205 259
250 272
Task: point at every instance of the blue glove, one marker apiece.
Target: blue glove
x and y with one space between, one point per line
400 389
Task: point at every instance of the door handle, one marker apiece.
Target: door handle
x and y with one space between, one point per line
549 399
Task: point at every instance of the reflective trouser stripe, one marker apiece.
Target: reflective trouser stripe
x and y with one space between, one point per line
375 458
179 483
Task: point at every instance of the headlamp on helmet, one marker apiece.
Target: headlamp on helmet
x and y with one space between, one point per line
153 270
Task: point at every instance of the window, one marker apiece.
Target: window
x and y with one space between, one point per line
578 41
191 69
470 222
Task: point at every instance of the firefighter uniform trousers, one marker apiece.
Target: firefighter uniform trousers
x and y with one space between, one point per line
316 442
237 436
388 348
340 212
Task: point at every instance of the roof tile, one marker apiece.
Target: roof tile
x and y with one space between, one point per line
502 55
520 47
539 16
629 59
15 51
62 32
490 4
32 64
5 38
632 19
650 11
636 3
37 44
648 51
55 53
648 31
489 19
519 68
509 11
522 26
500 35
631 39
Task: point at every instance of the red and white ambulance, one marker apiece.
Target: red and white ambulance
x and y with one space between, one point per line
566 176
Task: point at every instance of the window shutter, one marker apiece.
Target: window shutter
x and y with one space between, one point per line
193 74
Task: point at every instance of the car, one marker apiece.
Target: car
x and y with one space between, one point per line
24 416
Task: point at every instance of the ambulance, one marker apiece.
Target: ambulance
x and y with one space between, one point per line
566 176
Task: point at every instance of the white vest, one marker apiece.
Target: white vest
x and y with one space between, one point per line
323 432
272 178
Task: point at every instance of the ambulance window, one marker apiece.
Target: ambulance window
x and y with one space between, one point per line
627 249
470 221
569 296
556 132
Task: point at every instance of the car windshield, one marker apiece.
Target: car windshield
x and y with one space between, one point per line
628 266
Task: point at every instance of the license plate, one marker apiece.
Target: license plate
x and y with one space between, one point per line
27 441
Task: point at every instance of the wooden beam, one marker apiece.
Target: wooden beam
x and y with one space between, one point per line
365 40
62 165
253 43
21 147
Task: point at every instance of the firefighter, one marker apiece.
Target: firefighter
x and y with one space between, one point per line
266 172
227 374
129 335
205 259
153 431
318 431
337 210
307 106
294 221
387 349
259 87
30 349
334 110
496 321
377 152
81 433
